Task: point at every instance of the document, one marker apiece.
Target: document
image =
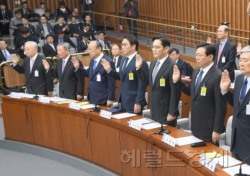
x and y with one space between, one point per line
227 161
187 140
123 115
144 121
235 170
88 106
151 125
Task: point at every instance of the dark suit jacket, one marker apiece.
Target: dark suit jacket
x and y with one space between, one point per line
2 57
61 13
31 28
66 39
241 122
100 91
131 92
81 46
40 30
118 62
229 52
57 27
71 82
182 66
7 16
75 29
207 112
134 9
36 85
48 51
164 99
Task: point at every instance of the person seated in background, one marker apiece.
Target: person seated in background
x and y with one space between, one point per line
115 51
63 11
49 15
24 9
5 51
82 44
75 28
44 28
61 38
22 39
49 49
101 39
5 16
88 20
26 23
61 26
86 29
78 16
15 22
41 10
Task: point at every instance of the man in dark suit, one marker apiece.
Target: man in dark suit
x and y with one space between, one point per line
61 38
71 78
5 16
44 28
239 99
132 87
87 29
105 43
49 49
101 90
165 95
115 51
174 55
25 23
75 28
82 44
61 26
39 79
225 52
5 51
208 108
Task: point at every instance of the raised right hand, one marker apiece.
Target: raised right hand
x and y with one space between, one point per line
176 74
106 65
225 81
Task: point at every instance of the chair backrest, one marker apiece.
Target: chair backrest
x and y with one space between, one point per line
229 131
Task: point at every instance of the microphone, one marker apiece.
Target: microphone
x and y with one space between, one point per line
39 87
240 170
96 109
162 131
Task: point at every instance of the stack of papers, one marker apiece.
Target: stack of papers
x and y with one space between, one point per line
187 140
227 161
151 126
235 170
87 106
123 115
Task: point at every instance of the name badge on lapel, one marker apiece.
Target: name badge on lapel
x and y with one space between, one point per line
36 73
203 91
223 59
162 82
248 109
98 77
131 76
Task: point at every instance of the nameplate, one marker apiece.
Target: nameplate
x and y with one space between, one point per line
169 140
74 105
105 114
15 95
135 125
45 100
207 162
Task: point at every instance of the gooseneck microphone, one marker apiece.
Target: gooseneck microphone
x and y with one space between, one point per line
38 88
240 170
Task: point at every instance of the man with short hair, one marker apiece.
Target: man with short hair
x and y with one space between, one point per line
39 78
174 55
44 28
50 48
115 51
5 54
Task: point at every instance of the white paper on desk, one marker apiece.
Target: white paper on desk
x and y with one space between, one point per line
88 106
123 115
24 95
235 170
150 126
227 161
187 140
145 121
58 99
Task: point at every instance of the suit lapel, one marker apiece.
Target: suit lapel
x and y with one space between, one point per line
152 66
59 68
163 68
34 65
247 96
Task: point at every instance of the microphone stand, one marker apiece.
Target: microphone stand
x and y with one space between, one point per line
96 109
240 170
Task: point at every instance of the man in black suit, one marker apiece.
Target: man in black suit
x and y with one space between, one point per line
44 28
165 95
225 52
49 49
61 26
208 108
75 28
25 23
71 78
87 29
61 38
115 51
239 99
174 55
39 79
5 16
5 51
82 44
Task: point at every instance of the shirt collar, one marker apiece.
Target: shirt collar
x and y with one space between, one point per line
34 57
205 70
66 59
99 58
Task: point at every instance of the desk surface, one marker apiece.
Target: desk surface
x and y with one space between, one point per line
110 143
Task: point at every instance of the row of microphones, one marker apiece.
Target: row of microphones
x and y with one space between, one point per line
162 131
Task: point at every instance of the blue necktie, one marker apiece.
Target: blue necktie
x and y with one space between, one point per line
125 64
198 82
243 91
94 66
5 55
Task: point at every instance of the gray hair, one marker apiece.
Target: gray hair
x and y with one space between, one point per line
31 43
245 49
65 45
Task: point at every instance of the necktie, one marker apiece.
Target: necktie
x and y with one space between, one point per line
219 53
155 71
243 91
94 66
125 64
63 65
53 47
5 55
31 64
46 32
3 14
198 81
103 45
114 60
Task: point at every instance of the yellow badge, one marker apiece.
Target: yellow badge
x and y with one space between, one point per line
162 82
203 91
131 76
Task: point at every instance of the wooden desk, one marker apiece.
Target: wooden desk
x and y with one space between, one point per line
109 143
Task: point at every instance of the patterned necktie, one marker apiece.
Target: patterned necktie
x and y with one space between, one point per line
155 71
243 91
198 82
125 64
